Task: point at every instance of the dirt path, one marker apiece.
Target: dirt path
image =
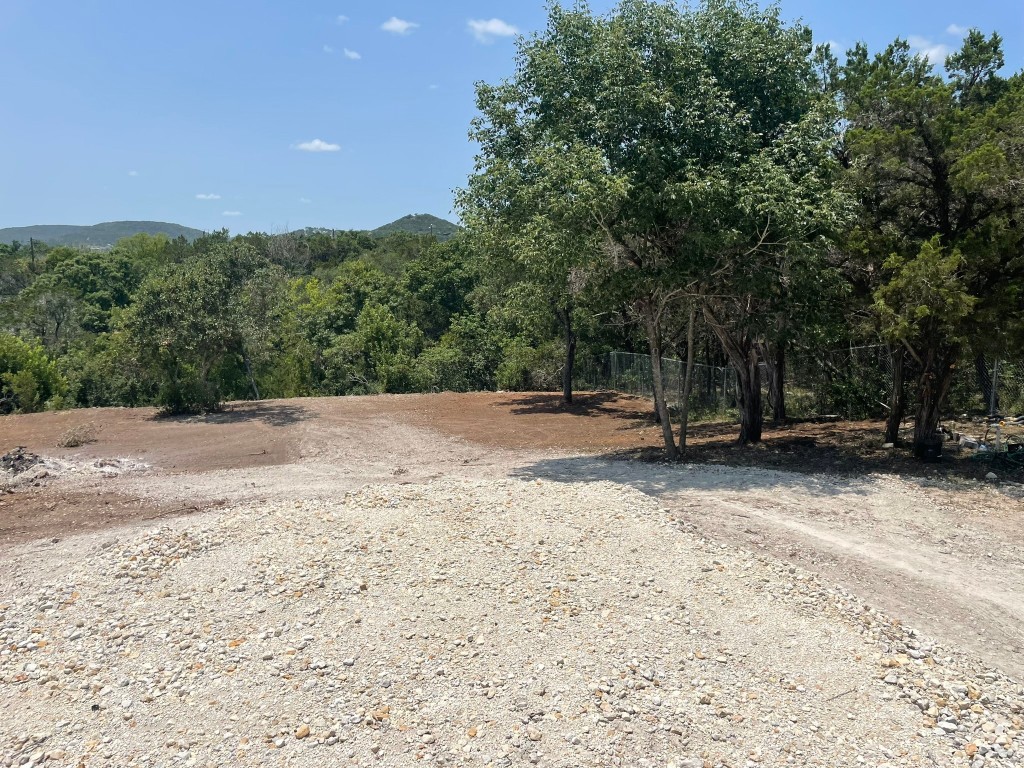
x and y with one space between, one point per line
945 557
948 561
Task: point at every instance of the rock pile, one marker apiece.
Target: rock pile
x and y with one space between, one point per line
480 623
19 460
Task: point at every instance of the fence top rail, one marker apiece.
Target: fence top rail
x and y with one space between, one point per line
670 360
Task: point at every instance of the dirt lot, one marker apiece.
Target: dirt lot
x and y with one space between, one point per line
928 546
924 541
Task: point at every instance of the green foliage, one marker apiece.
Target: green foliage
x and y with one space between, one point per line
145 253
925 302
98 281
466 357
15 272
186 320
525 367
439 284
29 380
102 372
378 356
657 157
939 167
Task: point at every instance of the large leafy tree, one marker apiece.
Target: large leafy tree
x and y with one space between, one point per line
939 164
545 239
186 321
699 149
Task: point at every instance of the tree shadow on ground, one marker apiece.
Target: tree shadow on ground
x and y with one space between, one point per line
271 414
835 447
636 469
587 404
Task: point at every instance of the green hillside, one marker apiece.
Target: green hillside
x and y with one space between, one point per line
104 234
420 224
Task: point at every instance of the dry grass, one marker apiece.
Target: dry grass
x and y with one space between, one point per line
79 435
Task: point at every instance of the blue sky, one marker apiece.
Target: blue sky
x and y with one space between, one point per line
205 113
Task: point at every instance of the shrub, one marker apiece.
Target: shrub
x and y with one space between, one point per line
28 378
79 435
101 373
466 357
524 367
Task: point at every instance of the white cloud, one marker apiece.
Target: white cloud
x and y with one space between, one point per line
209 196
353 55
318 145
936 53
485 30
232 213
956 30
133 173
434 86
341 20
305 200
398 26
328 49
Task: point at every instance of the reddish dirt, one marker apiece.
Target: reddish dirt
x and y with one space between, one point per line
253 435
940 552
52 514
244 435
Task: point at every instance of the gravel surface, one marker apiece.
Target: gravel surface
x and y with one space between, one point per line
32 470
486 621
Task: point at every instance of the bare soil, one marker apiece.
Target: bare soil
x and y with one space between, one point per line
929 544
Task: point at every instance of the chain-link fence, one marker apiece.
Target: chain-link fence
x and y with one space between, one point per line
989 387
713 389
853 383
1010 388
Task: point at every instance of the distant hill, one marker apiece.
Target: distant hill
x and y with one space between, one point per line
420 224
101 235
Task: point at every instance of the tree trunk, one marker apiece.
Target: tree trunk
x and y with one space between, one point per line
570 360
897 401
684 415
252 379
985 381
742 354
933 387
660 404
564 315
774 356
749 390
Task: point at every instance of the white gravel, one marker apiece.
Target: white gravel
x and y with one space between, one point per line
52 469
471 623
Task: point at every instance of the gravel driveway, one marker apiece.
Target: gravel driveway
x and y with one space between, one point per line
478 622
396 597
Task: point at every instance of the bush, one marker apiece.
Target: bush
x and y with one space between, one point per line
444 369
79 435
379 356
29 380
466 358
524 367
102 373
188 393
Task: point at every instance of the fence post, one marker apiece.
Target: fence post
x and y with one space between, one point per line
993 389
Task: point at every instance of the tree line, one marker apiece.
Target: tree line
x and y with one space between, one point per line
712 165
703 182
186 325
